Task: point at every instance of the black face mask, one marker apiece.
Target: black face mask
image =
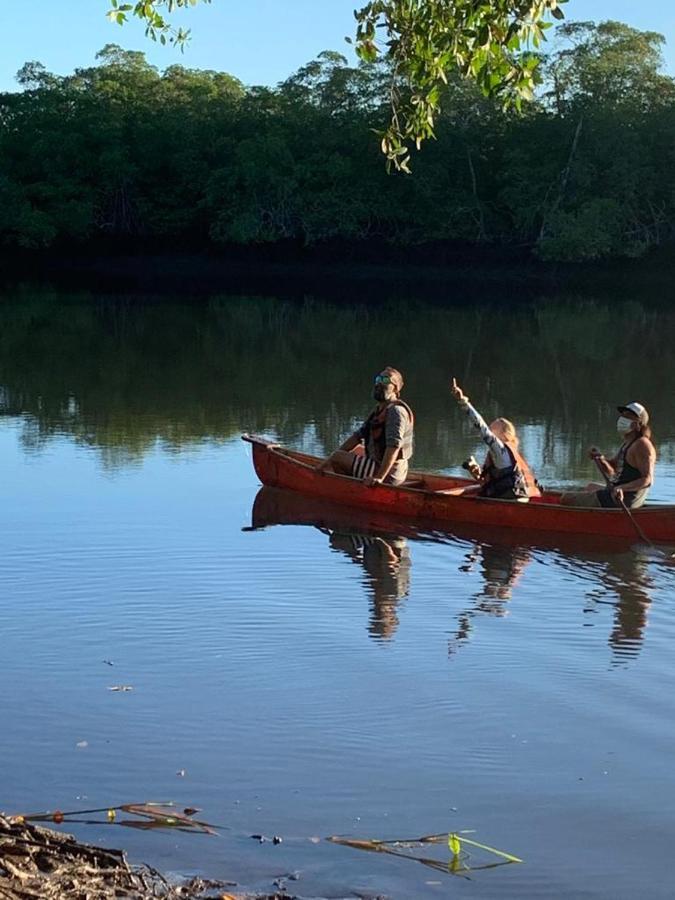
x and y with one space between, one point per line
382 392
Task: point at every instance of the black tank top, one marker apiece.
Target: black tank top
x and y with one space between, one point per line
626 473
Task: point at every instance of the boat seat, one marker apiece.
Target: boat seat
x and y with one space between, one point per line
414 483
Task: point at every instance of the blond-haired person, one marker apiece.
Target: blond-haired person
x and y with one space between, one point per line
505 475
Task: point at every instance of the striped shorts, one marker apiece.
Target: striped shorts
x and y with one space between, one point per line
364 467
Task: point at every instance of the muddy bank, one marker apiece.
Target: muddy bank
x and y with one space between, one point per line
39 863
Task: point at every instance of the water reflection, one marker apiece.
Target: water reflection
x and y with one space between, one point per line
501 567
629 578
386 562
384 557
122 373
221 630
617 575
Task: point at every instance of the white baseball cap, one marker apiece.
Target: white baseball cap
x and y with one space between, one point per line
637 409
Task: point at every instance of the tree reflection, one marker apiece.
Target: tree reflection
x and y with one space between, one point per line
121 374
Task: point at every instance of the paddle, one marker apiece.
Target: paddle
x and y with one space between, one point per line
623 506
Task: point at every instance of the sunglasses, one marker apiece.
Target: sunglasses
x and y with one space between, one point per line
383 379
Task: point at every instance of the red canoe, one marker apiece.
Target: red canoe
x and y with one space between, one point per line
429 498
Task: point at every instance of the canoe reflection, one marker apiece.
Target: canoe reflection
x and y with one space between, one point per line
616 575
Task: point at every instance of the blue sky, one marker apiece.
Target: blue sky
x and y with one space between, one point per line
259 41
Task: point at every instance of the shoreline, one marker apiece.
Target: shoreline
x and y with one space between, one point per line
315 273
52 865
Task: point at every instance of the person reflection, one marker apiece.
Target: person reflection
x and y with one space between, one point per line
387 563
384 556
628 576
502 567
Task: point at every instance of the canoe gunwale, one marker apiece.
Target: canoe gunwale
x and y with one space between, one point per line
278 466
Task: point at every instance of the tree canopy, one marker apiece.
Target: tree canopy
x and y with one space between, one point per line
121 152
426 43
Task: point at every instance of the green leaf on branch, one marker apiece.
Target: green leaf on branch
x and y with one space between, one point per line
425 42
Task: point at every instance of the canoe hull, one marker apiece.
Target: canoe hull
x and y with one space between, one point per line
278 467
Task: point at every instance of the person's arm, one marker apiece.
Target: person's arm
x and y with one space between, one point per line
608 466
643 459
488 436
496 446
387 464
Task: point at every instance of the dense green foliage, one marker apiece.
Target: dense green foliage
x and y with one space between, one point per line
425 42
124 152
429 42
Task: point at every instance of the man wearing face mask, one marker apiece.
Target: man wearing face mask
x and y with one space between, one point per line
630 472
386 436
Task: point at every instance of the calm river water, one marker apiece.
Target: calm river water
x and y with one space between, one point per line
295 672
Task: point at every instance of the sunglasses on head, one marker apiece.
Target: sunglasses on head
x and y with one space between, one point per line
383 379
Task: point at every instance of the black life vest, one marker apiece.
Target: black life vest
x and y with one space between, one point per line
516 478
374 429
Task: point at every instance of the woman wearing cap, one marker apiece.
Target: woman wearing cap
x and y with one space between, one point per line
630 472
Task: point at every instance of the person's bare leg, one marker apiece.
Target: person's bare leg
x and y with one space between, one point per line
340 462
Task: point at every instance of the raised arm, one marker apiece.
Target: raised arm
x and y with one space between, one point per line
490 438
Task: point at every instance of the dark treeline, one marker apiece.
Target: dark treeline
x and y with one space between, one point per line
121 155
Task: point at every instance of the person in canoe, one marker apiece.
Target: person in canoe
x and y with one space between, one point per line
630 473
505 475
386 437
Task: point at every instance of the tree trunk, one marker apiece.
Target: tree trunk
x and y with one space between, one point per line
564 179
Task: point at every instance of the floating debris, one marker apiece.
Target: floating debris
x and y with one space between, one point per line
458 864
38 863
151 816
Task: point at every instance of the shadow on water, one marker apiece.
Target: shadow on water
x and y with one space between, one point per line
616 575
